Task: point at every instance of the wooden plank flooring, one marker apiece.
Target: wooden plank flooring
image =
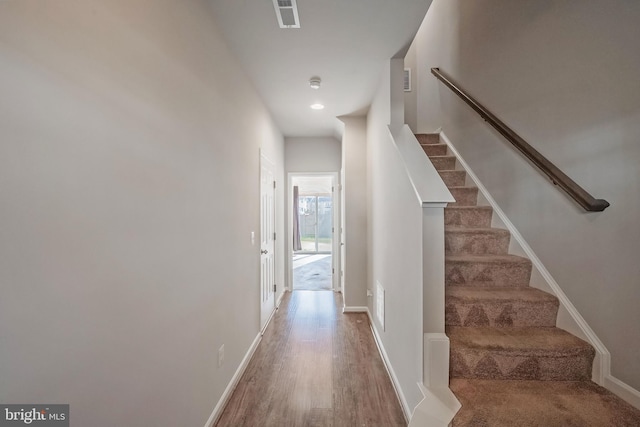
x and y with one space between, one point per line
314 367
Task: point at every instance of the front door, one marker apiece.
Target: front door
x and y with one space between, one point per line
267 240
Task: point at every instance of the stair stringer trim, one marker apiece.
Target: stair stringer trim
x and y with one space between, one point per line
568 318
622 390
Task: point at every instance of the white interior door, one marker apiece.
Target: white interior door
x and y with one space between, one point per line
267 240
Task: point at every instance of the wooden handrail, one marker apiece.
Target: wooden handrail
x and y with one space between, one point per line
559 178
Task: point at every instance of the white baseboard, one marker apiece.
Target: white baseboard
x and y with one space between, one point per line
217 411
279 301
622 390
385 359
355 309
273 313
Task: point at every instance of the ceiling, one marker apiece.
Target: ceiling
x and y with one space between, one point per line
345 42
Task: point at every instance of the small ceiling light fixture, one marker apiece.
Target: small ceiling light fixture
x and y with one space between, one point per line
314 82
317 106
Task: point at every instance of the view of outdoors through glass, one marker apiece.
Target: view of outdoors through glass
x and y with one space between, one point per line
315 222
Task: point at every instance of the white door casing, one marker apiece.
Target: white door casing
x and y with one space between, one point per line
267 240
343 249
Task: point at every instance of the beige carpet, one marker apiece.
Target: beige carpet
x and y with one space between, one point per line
540 404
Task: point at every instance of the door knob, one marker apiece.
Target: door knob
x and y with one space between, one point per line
264 251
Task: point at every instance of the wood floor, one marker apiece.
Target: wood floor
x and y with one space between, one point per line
315 366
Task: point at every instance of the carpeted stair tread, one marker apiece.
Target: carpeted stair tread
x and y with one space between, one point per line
490 403
438 149
428 138
483 230
526 353
498 294
526 340
453 178
499 307
465 196
488 258
468 240
468 216
443 162
487 270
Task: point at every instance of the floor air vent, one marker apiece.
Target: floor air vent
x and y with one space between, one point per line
287 13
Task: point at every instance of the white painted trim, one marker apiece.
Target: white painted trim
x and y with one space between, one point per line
434 205
425 179
622 390
436 409
279 301
439 405
355 309
602 361
435 370
217 411
277 306
387 364
266 325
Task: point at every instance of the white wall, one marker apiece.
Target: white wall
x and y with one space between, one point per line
411 98
307 154
354 188
129 183
563 75
394 248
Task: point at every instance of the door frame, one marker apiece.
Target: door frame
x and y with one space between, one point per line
335 235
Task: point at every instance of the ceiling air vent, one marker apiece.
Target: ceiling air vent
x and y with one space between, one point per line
287 13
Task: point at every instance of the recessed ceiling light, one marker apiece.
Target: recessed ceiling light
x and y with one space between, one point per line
314 82
317 106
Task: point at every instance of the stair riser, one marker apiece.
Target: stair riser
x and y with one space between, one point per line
505 274
501 314
465 196
476 243
428 138
435 149
500 365
468 217
443 163
453 178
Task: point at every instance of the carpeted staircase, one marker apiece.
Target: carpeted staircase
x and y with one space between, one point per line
509 364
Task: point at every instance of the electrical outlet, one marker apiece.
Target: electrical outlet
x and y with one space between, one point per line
221 356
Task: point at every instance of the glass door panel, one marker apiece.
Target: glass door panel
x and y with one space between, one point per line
324 233
316 222
308 223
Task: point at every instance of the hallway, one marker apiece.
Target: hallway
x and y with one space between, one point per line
315 366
